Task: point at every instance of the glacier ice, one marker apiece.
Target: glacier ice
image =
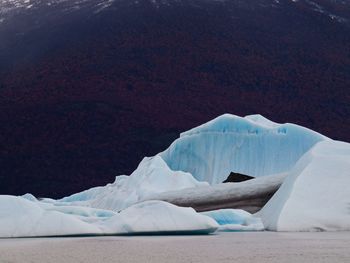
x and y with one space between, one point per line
251 145
151 177
250 195
160 217
20 217
235 220
315 195
206 155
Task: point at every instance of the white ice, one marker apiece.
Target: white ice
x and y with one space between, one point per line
315 195
20 217
151 177
160 217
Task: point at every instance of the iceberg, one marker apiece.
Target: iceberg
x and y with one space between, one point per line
165 194
315 196
205 156
20 217
252 145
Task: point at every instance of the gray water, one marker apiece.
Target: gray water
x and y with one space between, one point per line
233 247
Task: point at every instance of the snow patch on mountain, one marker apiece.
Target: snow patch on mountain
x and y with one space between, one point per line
7 6
322 10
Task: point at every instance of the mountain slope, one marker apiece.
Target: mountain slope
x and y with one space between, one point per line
86 92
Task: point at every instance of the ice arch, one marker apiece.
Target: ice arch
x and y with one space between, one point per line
250 145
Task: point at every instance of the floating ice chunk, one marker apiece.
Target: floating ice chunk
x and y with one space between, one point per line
160 217
235 220
20 217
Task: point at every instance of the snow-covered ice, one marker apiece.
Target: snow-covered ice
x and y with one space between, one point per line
20 217
151 177
160 217
315 195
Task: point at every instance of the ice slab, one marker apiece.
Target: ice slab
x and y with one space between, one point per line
250 195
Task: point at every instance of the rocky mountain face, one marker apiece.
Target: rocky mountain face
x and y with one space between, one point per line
89 87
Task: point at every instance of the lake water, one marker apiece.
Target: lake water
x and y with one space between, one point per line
234 247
